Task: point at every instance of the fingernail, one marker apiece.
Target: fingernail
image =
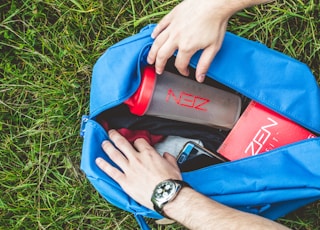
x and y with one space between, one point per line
159 72
104 142
152 36
201 77
111 131
99 160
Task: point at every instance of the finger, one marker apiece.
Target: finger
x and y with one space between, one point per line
122 144
157 44
182 61
164 53
171 159
113 172
142 145
115 155
162 25
205 61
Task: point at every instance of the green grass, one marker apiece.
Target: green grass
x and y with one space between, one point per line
47 49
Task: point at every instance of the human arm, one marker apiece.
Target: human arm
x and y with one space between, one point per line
191 26
143 168
195 211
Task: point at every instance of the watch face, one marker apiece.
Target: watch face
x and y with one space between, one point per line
164 190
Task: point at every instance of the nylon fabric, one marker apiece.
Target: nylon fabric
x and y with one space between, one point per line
271 184
262 74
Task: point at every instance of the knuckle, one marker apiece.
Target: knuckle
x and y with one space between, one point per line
147 148
117 138
141 142
120 141
162 56
137 141
185 49
107 145
116 157
155 46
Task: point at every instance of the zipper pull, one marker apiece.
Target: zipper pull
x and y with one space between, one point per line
84 121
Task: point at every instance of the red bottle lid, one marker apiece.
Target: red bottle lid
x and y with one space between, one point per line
139 102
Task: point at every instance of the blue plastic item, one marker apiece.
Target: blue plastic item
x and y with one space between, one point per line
271 184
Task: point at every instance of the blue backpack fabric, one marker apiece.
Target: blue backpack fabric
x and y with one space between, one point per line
270 184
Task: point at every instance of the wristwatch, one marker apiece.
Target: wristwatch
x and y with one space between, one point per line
165 192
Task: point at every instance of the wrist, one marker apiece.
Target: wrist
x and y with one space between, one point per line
176 209
166 192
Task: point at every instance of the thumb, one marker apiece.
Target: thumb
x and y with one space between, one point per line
171 159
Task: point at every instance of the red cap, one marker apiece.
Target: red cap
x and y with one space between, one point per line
139 102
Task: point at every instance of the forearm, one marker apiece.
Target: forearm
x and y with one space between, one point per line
189 207
196 211
230 7
241 4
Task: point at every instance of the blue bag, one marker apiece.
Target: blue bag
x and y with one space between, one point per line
271 184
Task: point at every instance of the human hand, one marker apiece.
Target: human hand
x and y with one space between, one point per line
142 167
191 26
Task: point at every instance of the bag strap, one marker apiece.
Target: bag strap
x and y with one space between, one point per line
142 222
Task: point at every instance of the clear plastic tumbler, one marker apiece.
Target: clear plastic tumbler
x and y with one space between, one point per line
178 98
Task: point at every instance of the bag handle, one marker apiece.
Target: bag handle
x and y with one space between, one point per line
142 222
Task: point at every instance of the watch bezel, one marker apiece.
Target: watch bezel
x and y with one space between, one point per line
159 200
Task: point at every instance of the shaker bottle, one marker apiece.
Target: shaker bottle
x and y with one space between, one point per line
178 98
